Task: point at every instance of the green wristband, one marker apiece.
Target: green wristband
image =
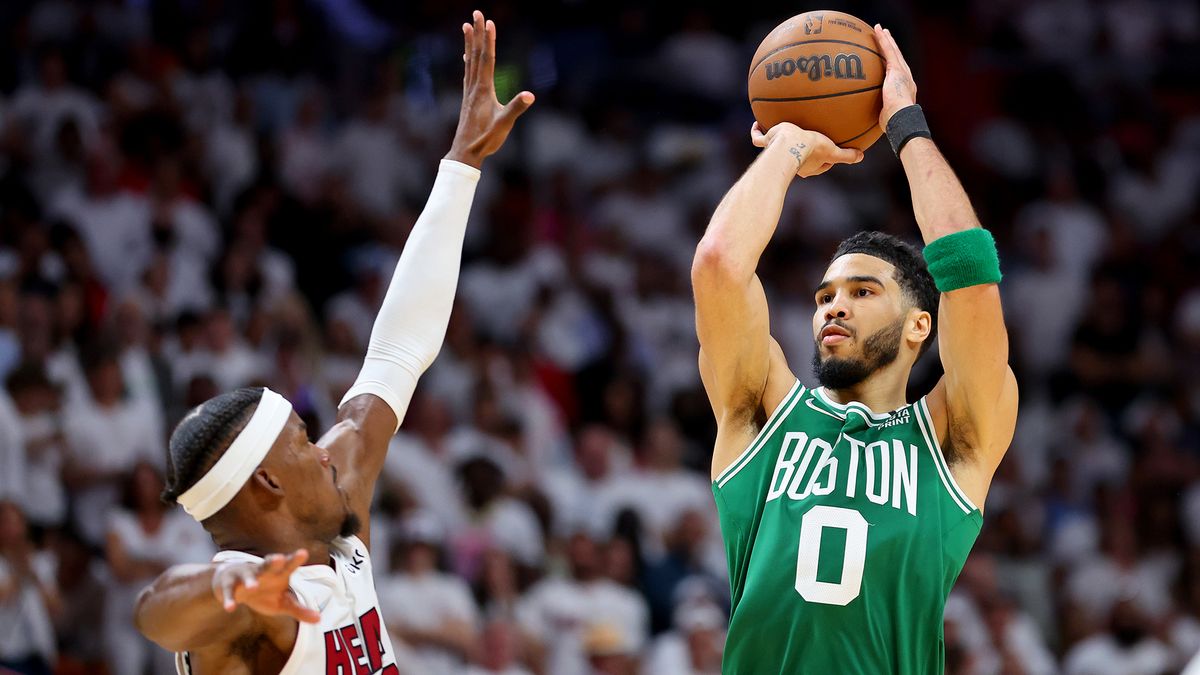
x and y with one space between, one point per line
962 259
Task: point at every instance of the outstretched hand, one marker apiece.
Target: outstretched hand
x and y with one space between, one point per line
899 89
263 587
483 124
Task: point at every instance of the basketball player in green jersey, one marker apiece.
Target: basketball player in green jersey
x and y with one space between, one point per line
847 512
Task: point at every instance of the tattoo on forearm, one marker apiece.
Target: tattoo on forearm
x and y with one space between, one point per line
795 150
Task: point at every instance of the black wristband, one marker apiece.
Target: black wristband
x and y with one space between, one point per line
906 124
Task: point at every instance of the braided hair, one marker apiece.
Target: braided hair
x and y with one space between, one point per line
203 435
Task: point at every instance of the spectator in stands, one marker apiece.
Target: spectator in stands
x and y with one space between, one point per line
28 598
584 614
39 436
107 435
431 613
145 537
499 652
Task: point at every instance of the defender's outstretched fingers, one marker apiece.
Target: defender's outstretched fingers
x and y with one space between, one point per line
489 29
478 47
295 561
294 609
274 563
466 29
227 589
517 107
233 586
470 57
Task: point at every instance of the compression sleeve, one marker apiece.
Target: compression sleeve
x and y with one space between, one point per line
411 324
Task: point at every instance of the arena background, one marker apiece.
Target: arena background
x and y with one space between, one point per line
202 194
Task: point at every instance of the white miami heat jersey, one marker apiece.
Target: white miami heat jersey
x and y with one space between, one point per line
350 638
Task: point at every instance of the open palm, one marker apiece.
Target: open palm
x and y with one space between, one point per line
483 123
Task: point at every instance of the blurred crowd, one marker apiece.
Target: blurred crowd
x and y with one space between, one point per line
202 195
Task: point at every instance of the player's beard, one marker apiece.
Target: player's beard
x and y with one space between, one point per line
351 525
878 351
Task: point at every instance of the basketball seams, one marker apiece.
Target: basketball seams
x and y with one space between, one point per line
855 138
807 42
815 96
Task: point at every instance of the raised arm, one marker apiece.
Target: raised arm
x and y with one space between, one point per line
975 404
742 368
411 324
198 607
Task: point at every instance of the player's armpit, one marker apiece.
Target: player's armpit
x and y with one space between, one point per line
739 427
270 648
975 404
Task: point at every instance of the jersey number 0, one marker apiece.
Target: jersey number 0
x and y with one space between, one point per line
854 559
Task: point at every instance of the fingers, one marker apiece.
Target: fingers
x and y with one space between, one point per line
516 107
757 136
235 586
891 50
845 156
889 59
295 561
887 45
479 51
280 566
468 63
820 170
293 608
487 64
896 53
273 563
227 587
490 32
479 47
466 29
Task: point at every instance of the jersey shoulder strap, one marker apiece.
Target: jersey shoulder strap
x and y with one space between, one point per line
929 434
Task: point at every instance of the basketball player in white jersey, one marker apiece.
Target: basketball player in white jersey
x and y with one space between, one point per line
291 590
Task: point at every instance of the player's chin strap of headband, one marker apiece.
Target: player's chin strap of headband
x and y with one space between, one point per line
216 488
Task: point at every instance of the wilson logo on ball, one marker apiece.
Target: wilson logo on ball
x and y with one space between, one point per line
840 67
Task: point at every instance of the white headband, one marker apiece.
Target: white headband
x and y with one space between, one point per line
216 488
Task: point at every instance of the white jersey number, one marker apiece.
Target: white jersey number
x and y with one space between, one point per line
853 560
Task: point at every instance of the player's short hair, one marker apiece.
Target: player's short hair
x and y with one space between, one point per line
911 271
203 434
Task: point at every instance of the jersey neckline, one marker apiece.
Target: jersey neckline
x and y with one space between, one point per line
822 397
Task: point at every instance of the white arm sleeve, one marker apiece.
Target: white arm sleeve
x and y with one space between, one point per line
412 322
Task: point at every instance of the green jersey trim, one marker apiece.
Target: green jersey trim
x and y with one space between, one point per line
925 422
781 412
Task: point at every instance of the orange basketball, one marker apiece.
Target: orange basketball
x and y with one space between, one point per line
820 70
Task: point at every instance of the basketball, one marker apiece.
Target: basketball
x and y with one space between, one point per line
823 71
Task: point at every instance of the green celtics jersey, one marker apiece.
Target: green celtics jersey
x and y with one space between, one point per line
844 531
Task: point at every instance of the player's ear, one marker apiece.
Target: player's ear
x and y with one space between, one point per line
920 325
265 480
